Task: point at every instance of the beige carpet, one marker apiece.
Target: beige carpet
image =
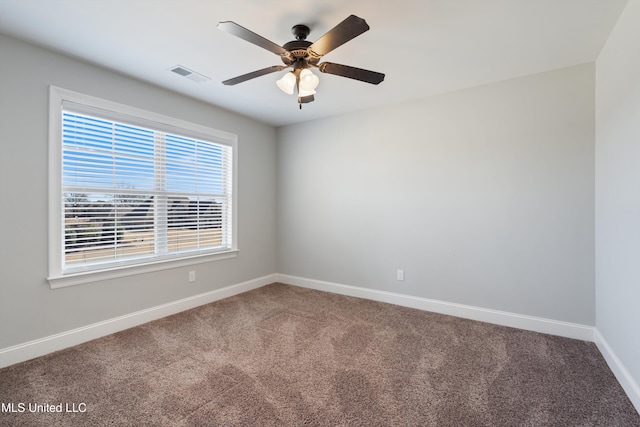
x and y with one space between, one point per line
287 356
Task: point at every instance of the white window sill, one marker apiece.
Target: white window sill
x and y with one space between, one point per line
131 270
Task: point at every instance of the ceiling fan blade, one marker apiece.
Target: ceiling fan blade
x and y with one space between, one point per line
253 75
367 76
239 31
348 29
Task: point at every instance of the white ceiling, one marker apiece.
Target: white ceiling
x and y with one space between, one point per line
424 47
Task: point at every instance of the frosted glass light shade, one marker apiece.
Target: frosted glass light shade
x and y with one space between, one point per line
308 81
287 83
305 92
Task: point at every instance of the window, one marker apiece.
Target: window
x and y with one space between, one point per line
134 191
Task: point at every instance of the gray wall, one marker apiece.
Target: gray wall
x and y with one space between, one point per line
29 309
483 196
618 190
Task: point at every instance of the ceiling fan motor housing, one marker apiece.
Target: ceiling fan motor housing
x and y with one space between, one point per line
297 51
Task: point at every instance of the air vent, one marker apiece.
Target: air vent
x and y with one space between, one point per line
191 75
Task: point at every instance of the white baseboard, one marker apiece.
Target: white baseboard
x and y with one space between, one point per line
530 323
623 376
42 346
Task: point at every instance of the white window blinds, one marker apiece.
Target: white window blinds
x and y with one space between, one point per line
135 192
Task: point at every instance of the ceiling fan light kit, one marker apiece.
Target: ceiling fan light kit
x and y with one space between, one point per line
287 83
300 55
304 80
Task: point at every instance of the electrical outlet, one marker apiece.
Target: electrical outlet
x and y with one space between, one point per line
400 275
192 276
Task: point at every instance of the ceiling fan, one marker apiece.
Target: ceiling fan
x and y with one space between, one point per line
300 55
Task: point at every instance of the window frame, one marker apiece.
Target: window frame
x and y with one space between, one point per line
110 110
